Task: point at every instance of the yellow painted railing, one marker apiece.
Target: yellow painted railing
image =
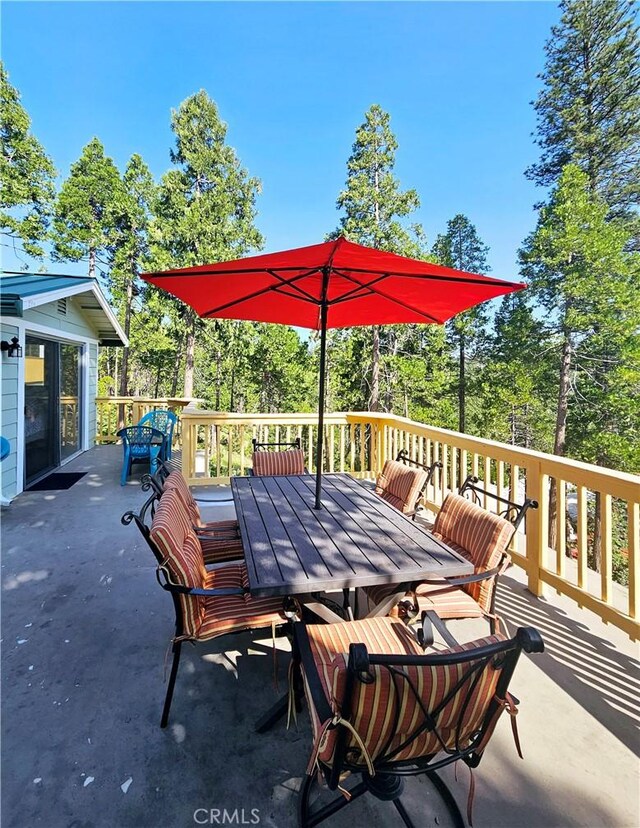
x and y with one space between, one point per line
114 413
216 446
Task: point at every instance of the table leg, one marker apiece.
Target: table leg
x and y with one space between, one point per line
388 603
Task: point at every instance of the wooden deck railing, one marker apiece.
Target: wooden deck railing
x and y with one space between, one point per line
114 413
216 446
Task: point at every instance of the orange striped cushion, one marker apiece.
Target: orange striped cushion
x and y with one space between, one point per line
232 613
278 462
480 536
373 704
173 534
176 481
400 485
219 550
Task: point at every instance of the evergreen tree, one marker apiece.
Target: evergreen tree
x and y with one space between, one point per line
374 204
129 246
26 174
517 378
587 111
206 206
84 211
589 287
461 247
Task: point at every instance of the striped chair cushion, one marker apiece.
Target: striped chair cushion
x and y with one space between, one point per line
374 704
400 485
478 535
176 481
278 462
175 538
214 550
233 613
219 550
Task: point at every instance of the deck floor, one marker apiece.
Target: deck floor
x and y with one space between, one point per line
85 631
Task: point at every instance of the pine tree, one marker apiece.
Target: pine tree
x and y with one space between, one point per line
129 245
516 383
587 111
462 248
206 206
581 275
83 220
26 174
374 204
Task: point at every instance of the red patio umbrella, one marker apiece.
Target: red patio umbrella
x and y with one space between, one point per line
337 284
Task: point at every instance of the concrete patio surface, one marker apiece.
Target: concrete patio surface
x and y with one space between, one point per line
85 630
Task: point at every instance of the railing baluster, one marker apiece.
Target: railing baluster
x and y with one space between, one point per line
561 526
582 536
606 556
633 550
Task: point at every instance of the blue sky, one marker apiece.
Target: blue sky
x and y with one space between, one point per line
293 81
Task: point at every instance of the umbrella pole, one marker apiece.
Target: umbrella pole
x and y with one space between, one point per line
321 384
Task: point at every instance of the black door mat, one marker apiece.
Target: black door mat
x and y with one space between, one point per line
57 480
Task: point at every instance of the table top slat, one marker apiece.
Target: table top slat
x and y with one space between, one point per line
356 539
389 520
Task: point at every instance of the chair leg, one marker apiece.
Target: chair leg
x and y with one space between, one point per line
448 799
403 813
306 819
172 683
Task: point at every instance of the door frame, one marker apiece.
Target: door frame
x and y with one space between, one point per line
25 327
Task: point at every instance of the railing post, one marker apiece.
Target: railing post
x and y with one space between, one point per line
186 449
537 521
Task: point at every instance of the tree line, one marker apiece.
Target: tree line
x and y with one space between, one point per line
554 368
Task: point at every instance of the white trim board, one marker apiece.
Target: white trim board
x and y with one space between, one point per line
38 299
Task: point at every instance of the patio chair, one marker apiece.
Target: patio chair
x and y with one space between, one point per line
381 709
481 537
403 486
207 604
289 461
220 540
141 444
165 422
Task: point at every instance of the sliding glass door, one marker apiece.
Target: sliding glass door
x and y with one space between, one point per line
52 402
69 400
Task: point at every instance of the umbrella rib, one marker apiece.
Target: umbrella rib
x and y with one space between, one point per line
290 282
389 298
257 293
351 294
406 306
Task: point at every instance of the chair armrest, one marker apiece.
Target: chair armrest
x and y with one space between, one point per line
302 652
181 590
430 618
213 500
458 580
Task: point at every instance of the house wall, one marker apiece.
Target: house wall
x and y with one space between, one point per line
9 420
47 321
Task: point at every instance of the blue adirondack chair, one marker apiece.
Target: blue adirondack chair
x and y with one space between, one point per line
163 421
142 444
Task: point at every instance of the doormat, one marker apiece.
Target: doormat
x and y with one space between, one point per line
57 480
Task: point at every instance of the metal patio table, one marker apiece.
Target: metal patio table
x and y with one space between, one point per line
356 540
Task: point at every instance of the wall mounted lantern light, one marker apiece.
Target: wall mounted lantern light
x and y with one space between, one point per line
13 348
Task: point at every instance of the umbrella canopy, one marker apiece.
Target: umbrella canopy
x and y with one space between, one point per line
337 284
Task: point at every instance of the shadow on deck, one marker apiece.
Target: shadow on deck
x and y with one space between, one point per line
85 631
